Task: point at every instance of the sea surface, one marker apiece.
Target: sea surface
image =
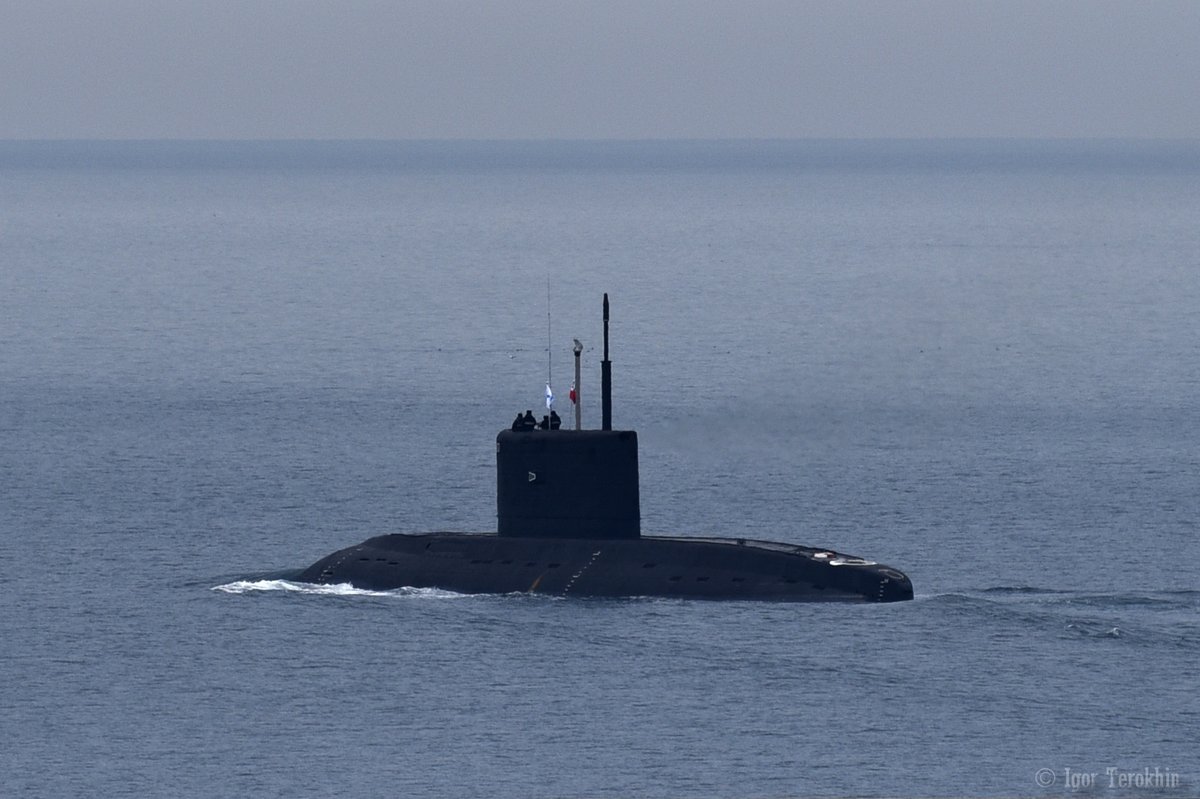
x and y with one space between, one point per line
976 361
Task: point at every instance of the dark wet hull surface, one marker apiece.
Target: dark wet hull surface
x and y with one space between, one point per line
690 568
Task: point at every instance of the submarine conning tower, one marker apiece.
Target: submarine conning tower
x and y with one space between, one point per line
554 483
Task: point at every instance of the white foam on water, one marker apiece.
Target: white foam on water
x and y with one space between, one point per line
338 589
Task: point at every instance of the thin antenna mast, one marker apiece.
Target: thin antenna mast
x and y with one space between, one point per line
549 352
605 378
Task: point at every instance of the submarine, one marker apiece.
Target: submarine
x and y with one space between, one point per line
569 524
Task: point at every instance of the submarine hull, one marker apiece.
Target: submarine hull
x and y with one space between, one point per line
660 566
569 524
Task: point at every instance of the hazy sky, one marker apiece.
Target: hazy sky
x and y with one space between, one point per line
605 69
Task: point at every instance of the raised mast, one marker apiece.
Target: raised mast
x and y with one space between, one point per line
606 378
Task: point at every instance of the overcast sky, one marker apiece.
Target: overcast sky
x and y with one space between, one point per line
399 69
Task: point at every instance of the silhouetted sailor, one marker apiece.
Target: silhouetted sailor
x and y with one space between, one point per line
555 421
527 421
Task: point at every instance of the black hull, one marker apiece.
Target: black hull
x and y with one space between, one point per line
686 568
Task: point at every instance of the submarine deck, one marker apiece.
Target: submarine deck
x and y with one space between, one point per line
664 566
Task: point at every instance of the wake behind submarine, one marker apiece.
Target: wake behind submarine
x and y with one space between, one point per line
569 524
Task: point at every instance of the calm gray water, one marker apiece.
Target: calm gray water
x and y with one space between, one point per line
976 361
